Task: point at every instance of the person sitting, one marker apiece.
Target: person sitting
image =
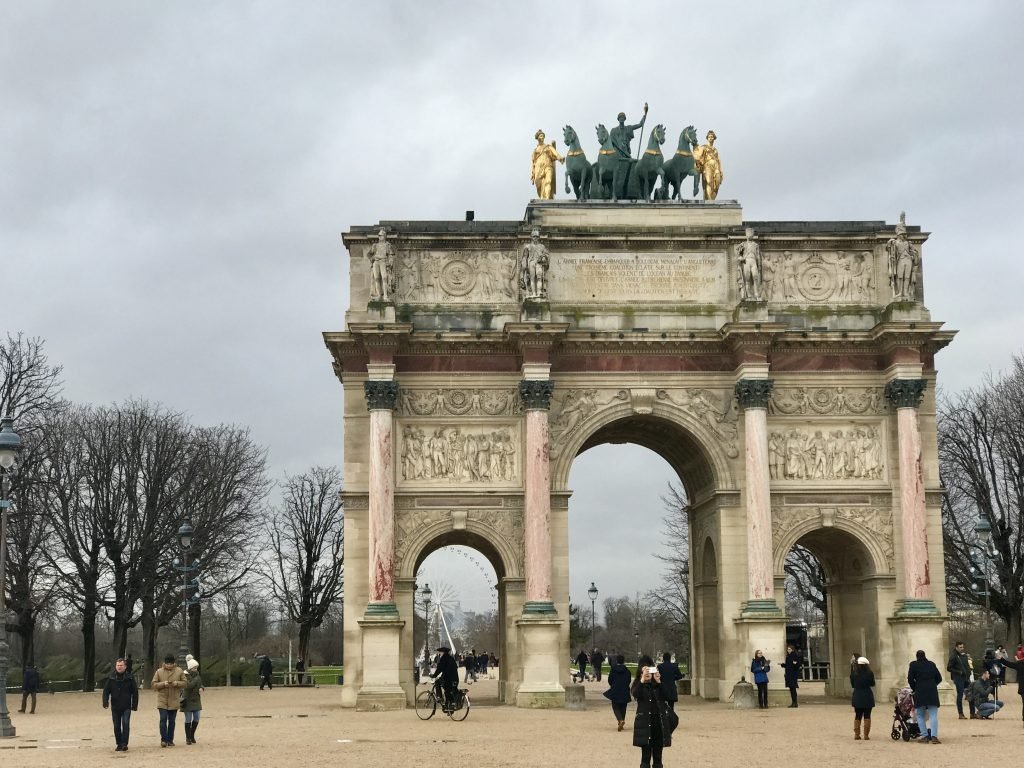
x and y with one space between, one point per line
979 691
446 678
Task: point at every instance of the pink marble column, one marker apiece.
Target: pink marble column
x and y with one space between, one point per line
381 397
753 396
905 395
536 396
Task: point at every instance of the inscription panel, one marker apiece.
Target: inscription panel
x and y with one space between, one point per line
695 277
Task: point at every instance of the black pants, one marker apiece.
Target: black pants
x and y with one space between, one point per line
792 695
265 680
762 695
122 723
24 700
619 711
653 751
961 684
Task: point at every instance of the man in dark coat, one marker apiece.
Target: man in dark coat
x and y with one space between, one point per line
446 676
960 674
29 687
669 672
581 662
791 666
923 678
1018 665
122 696
618 689
597 661
266 673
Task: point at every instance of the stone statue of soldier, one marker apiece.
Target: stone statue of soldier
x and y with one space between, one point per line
751 271
534 268
904 259
382 268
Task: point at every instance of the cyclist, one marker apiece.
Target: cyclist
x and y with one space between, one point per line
446 677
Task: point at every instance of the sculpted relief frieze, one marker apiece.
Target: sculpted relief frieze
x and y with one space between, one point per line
500 525
470 455
714 410
871 523
827 453
458 277
838 277
827 401
573 407
458 402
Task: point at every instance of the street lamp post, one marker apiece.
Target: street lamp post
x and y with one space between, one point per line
636 634
984 530
10 446
427 594
592 593
185 533
684 572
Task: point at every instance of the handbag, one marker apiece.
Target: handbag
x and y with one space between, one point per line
670 717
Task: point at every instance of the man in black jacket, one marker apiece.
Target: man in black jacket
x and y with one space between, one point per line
960 673
448 672
923 677
266 673
669 672
29 687
122 696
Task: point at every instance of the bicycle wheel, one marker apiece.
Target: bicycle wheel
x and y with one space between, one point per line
426 705
463 710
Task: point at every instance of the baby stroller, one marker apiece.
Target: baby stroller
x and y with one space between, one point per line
904 719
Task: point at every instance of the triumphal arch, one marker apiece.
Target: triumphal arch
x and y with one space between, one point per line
785 370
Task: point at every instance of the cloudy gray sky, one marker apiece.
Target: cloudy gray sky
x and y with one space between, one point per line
176 175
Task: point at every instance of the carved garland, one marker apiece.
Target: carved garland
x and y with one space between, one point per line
826 401
874 524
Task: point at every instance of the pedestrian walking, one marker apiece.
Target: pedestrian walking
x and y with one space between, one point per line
168 680
1018 665
469 662
862 680
192 701
923 677
266 673
669 672
597 662
121 695
794 661
618 689
581 662
654 721
29 687
959 669
760 667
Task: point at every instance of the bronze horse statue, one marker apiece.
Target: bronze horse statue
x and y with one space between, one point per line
648 168
681 165
577 168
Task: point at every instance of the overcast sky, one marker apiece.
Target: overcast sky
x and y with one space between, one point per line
175 177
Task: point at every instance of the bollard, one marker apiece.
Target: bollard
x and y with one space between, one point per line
575 697
743 695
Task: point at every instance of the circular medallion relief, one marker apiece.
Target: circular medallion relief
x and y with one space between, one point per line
457 278
816 283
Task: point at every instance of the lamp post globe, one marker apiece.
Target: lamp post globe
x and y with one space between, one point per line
185 535
10 447
427 593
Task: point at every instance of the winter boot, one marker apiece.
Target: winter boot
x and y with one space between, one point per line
622 724
856 730
188 733
867 730
195 725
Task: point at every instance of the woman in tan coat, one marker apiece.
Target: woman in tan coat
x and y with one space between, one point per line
168 682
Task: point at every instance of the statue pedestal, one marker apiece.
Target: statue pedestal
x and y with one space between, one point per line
751 312
535 310
378 311
538 637
381 689
635 214
914 629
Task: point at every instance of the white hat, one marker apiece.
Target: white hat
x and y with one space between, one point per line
862 660
193 665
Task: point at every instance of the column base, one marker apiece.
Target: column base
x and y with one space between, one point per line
538 636
7 729
539 608
758 609
912 608
381 631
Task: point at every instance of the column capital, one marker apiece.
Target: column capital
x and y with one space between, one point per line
905 393
381 395
754 393
536 394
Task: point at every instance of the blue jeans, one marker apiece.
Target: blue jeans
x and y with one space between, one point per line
167 717
989 708
192 715
961 685
122 723
933 720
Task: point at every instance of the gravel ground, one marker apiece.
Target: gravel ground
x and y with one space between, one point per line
307 727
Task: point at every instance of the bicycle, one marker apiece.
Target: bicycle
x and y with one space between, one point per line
427 702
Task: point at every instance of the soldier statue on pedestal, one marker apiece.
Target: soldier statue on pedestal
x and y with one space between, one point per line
534 268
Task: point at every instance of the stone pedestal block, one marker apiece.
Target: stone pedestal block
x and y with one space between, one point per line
576 697
380 653
538 638
744 695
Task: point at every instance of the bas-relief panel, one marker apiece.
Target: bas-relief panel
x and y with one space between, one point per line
458 277
681 277
873 522
435 455
831 452
831 277
827 401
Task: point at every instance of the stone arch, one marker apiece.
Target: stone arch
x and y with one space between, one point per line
701 460
503 552
787 536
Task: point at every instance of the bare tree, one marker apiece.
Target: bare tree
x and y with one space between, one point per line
307 539
671 599
981 462
805 585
